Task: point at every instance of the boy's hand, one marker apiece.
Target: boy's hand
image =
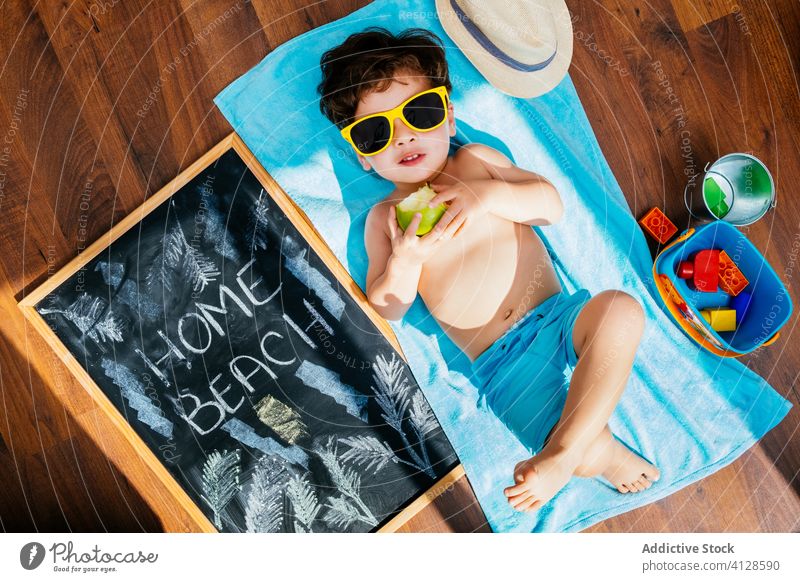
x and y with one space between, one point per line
467 201
417 249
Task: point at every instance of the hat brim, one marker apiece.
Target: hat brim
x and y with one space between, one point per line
507 79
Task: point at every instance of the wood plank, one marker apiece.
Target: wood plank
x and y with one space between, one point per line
454 510
73 30
694 14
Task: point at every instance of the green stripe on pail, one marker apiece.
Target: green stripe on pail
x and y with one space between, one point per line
718 194
737 188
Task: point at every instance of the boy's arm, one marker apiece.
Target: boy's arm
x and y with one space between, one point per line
516 194
391 281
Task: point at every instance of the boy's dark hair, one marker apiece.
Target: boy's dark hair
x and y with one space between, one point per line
367 61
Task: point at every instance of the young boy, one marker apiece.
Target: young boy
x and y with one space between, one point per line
482 271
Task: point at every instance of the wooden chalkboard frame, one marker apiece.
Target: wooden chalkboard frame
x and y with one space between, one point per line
300 220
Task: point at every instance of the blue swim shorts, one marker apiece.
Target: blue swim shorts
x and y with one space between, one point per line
521 375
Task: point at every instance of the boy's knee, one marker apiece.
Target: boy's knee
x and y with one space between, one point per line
622 311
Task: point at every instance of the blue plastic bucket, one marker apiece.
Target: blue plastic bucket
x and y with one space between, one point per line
770 306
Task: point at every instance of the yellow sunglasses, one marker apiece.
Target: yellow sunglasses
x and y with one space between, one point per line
424 111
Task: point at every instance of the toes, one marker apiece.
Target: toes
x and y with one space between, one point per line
515 490
517 499
522 500
534 506
622 488
653 474
527 504
634 487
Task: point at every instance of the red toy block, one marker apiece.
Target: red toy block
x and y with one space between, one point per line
657 225
703 270
731 279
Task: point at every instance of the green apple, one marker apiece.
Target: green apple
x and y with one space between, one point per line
418 202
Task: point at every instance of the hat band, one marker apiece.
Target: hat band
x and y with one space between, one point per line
484 41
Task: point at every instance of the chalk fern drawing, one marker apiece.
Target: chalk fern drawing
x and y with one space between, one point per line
423 422
220 481
177 259
393 395
370 453
264 507
347 507
258 223
89 315
304 502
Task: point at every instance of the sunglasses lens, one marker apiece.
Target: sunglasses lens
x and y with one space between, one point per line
425 112
371 134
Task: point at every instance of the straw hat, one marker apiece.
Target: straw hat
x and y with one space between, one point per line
522 47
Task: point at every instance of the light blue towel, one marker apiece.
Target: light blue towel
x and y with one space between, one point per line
687 411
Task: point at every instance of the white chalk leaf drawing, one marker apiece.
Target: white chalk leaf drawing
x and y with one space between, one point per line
422 418
341 513
177 259
393 395
305 503
348 507
370 453
264 507
220 481
258 223
89 315
423 422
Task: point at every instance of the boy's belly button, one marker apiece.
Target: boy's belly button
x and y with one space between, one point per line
508 313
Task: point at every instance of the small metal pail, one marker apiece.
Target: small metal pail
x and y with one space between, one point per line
737 188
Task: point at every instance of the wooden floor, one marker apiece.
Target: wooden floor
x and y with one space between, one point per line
102 102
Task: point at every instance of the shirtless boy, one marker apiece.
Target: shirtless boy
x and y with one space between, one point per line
482 271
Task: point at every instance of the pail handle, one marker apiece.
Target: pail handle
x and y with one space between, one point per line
772 340
686 192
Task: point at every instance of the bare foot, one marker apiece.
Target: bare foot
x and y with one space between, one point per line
627 471
539 478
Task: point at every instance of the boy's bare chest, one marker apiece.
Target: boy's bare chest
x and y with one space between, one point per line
485 270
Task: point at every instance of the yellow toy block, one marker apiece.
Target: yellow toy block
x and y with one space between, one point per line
721 319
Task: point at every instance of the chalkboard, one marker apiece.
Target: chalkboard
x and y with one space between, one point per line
245 365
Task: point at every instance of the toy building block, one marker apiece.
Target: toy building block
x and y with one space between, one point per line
740 303
657 225
731 279
703 270
720 318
